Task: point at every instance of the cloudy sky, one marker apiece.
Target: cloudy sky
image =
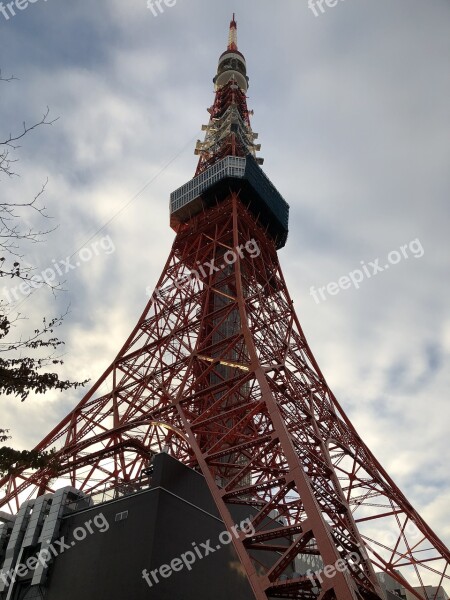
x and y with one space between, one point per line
352 107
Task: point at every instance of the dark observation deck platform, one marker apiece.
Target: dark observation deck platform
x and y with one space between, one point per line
233 174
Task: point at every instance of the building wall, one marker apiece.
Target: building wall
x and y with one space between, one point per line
161 525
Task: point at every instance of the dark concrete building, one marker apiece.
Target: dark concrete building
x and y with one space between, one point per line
161 538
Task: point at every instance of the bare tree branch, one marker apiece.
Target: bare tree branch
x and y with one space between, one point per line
7 79
24 360
13 234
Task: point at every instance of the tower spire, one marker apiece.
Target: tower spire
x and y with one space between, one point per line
232 36
229 131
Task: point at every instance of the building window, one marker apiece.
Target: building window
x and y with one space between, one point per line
121 516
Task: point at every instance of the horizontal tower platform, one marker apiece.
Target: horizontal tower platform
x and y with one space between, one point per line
233 174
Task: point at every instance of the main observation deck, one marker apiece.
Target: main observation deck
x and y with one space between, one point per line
233 174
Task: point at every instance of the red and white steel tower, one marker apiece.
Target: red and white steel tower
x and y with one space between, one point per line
218 373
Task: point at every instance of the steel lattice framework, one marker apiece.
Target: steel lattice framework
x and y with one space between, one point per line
218 373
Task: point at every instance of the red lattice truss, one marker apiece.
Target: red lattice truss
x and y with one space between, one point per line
218 373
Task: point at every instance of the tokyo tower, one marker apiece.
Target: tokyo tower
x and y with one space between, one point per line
218 374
